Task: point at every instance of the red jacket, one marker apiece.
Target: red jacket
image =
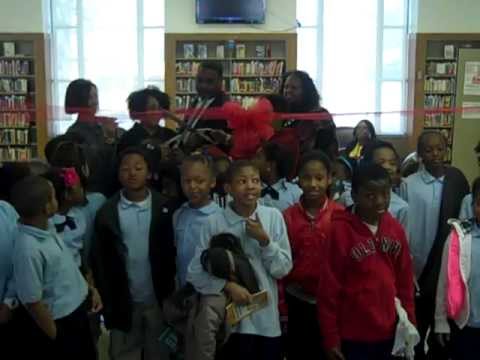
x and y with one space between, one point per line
362 276
307 240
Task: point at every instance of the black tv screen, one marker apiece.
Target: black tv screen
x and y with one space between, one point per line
230 11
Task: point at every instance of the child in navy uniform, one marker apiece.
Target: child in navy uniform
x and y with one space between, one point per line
134 261
367 266
48 282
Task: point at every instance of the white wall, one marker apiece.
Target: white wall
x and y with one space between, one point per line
448 16
22 16
180 18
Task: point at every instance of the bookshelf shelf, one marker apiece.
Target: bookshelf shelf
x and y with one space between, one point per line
440 59
251 93
16 110
438 127
250 61
16 145
441 76
232 59
182 76
17 93
17 57
23 96
433 67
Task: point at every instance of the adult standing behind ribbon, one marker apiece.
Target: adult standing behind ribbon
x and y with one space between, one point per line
302 97
210 94
99 134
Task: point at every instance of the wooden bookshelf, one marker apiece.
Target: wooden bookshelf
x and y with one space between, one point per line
253 63
433 83
23 96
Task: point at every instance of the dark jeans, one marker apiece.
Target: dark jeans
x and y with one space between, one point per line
424 312
10 337
353 350
74 340
74 337
251 347
465 344
303 335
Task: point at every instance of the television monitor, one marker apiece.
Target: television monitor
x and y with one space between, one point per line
230 11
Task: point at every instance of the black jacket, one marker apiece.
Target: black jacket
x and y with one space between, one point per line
137 135
455 187
311 132
217 124
100 156
109 262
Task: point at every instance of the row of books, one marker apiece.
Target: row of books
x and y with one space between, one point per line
8 49
266 85
185 100
439 120
190 85
440 85
448 134
14 120
14 137
14 102
15 154
219 51
438 101
14 67
259 68
441 68
235 85
254 68
11 85
187 68
186 85
448 157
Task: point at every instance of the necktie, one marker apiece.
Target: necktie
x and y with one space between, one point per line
270 191
69 221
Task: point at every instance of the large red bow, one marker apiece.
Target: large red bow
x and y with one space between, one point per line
250 126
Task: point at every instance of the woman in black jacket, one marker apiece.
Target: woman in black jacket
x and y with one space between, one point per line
100 134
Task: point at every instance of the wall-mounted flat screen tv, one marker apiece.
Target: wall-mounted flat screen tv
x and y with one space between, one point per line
230 11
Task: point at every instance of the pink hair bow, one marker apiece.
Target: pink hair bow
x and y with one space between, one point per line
70 177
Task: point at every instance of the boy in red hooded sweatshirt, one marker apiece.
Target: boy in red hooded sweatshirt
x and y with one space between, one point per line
368 265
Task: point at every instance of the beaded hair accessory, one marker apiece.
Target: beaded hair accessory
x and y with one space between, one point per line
70 177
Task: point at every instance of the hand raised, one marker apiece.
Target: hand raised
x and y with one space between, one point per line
255 230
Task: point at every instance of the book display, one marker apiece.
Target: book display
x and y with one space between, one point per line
434 90
22 97
253 64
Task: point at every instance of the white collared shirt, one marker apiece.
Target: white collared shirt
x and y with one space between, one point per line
288 194
135 219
